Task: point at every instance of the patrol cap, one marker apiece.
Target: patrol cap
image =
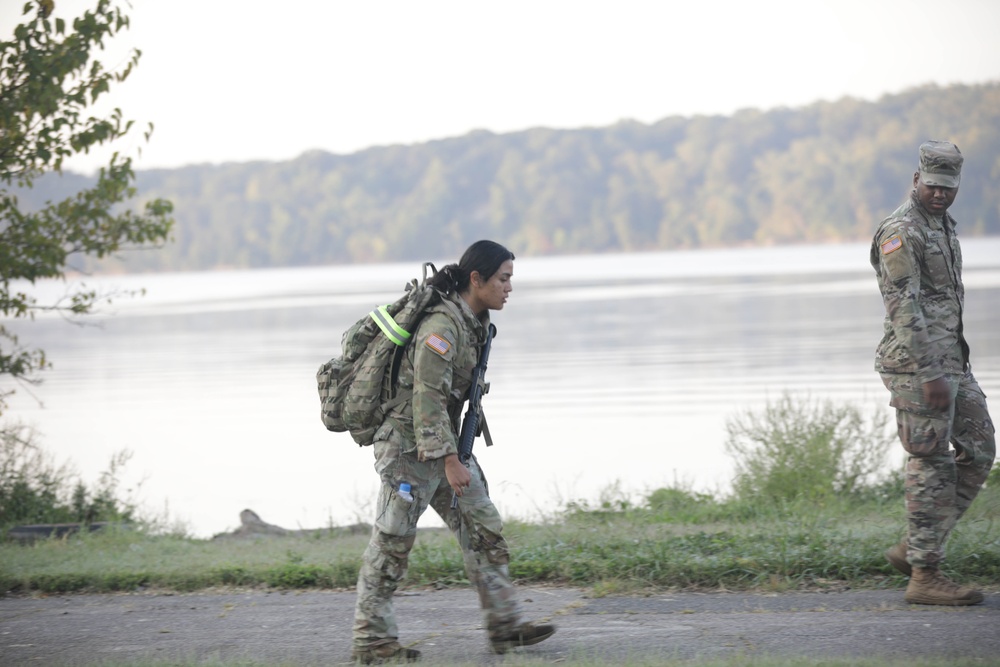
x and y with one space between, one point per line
940 164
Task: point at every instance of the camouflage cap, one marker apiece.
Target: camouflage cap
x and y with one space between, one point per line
940 164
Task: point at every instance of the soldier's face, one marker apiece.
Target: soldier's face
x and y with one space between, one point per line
492 293
934 198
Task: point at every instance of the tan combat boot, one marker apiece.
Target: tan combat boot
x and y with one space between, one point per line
525 634
384 654
929 586
896 556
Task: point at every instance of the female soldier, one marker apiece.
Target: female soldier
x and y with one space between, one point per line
417 444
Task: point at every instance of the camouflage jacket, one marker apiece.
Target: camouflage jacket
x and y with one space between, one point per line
437 367
918 262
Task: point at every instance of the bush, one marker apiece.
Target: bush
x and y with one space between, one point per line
681 505
803 450
34 489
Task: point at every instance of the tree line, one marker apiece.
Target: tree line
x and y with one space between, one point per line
826 172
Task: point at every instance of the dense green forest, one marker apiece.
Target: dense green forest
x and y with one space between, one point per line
822 173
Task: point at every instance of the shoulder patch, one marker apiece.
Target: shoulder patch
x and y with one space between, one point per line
438 344
892 245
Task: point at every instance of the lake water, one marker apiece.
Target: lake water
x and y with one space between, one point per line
611 369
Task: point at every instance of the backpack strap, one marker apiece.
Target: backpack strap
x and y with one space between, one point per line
398 399
406 395
457 315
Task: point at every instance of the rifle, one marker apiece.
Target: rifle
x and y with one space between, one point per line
474 413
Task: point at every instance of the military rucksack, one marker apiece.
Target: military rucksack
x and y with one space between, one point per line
356 388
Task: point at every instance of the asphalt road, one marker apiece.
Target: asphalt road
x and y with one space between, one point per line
313 627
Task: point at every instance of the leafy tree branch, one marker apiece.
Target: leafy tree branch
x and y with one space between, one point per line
49 81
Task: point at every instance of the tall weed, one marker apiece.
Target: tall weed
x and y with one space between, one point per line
799 449
35 489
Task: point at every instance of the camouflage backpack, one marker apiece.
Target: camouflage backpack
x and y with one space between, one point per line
355 389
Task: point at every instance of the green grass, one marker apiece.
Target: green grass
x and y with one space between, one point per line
613 549
778 530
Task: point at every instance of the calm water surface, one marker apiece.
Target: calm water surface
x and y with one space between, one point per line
613 369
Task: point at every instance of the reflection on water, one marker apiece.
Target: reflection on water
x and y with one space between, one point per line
612 368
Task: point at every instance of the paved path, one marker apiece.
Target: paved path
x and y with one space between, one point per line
313 627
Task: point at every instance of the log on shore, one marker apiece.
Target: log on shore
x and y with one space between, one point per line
251 525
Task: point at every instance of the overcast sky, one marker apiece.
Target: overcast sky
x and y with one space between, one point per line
238 80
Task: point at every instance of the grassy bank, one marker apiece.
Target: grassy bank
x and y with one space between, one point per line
690 543
812 505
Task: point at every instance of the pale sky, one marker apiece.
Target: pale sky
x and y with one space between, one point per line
240 80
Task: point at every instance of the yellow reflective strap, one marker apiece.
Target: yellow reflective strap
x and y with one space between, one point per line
393 331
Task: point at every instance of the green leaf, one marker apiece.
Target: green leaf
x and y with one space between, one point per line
48 80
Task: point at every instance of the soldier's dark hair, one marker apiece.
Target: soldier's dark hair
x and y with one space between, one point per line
482 256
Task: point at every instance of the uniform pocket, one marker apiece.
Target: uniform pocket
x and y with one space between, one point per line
918 408
907 394
396 516
923 436
936 265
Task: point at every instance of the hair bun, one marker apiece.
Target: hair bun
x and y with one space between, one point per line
448 278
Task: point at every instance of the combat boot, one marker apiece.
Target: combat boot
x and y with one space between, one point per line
525 634
929 586
385 654
896 556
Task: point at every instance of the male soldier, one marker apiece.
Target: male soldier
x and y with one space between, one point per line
924 362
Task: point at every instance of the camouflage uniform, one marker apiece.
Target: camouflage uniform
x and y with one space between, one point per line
410 446
918 261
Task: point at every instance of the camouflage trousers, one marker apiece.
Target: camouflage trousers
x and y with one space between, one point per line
941 482
475 522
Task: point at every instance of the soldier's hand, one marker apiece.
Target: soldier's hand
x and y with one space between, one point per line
937 393
459 477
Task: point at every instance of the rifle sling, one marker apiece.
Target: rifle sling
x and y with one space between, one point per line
486 429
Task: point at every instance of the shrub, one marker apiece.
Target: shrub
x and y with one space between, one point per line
34 489
677 504
798 449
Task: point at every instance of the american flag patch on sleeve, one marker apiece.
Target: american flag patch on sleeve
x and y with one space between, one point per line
893 244
438 344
